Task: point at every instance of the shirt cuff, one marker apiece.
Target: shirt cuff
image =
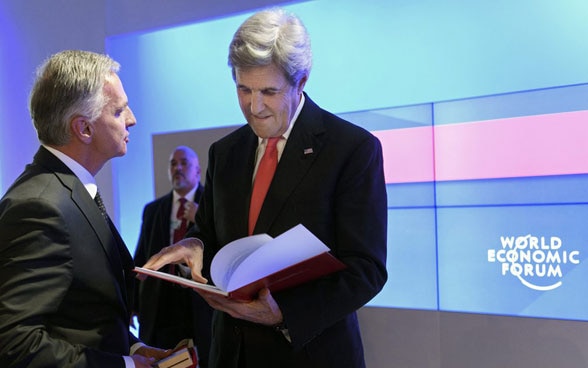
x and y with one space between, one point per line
129 363
136 347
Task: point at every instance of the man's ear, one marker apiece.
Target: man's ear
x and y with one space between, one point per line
82 129
301 84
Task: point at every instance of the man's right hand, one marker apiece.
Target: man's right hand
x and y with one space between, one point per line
146 356
142 361
189 251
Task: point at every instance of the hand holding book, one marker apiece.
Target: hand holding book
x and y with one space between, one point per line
184 355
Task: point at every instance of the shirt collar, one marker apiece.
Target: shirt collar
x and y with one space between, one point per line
189 196
84 175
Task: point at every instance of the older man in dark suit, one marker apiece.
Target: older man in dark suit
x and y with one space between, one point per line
329 177
65 273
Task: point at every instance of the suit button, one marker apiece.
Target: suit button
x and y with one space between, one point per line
236 330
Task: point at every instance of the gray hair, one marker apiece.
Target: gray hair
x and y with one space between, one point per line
68 84
272 36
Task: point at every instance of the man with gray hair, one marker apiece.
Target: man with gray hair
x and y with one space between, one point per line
66 277
320 171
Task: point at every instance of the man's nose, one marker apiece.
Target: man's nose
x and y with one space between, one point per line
257 103
130 119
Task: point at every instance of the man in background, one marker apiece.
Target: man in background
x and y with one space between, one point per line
319 171
168 313
66 279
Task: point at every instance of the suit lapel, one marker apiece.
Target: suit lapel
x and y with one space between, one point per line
108 236
198 193
120 259
239 174
163 221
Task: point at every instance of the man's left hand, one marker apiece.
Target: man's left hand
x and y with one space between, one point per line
190 209
263 310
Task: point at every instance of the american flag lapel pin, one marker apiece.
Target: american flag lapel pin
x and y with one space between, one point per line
308 151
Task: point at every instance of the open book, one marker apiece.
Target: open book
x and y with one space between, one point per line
244 266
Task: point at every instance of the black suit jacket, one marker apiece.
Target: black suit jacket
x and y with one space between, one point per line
330 178
64 280
168 313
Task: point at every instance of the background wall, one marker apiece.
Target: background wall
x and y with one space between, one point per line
368 55
30 31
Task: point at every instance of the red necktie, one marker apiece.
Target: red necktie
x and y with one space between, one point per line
263 178
180 232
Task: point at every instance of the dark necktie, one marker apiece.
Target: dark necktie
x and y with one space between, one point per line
123 252
122 249
100 204
263 178
180 231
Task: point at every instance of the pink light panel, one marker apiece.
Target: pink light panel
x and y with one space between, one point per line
537 145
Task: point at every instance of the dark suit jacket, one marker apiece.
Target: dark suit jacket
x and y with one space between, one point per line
168 313
63 292
330 178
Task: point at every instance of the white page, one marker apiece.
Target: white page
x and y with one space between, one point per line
180 280
291 247
229 257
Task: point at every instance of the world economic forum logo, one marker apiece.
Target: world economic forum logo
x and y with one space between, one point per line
537 261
